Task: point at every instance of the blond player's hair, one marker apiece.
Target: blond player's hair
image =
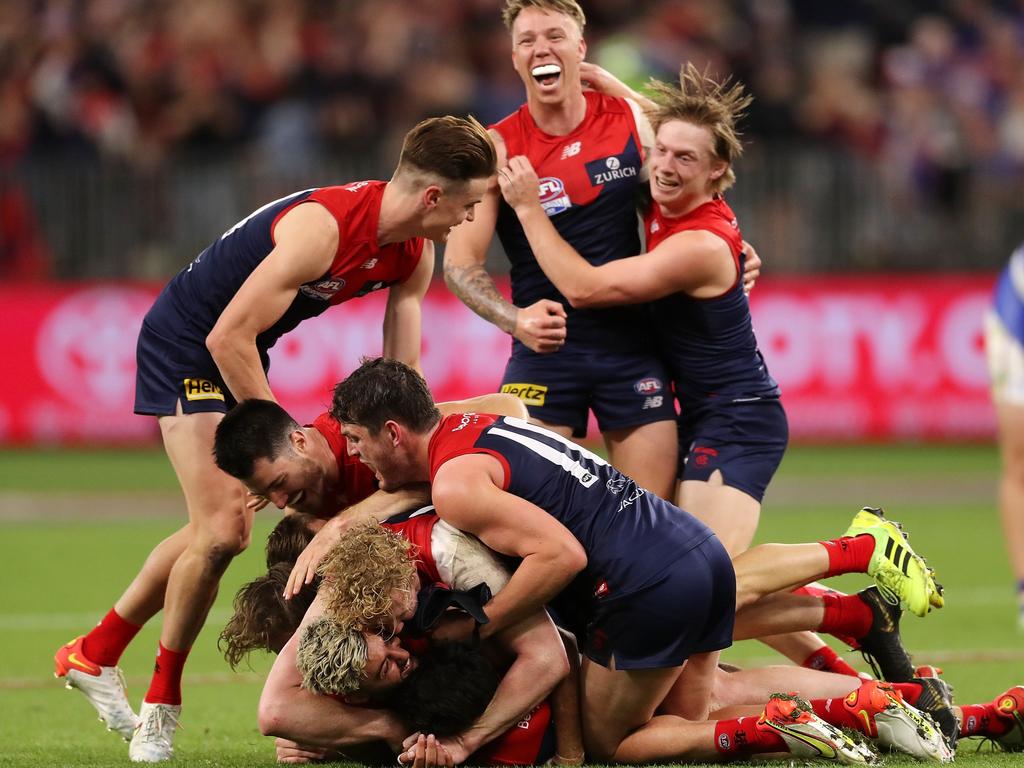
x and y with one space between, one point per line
360 573
451 150
701 100
570 8
331 657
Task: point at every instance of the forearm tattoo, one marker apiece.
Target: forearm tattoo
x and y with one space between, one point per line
477 290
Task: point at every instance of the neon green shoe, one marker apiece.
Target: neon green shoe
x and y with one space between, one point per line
901 575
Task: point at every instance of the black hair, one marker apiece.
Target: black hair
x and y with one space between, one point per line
253 429
381 390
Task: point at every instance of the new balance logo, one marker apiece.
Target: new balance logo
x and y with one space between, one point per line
571 150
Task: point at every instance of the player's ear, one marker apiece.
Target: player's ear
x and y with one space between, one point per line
718 169
298 440
394 432
432 196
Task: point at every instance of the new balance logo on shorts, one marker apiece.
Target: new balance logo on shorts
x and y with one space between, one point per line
201 389
531 394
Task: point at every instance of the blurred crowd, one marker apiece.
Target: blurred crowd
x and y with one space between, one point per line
930 92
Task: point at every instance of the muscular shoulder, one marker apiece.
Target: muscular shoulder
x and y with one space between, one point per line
499 147
310 223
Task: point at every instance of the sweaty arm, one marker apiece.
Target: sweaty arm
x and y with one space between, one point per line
496 403
468 495
306 240
695 262
540 326
289 711
402 318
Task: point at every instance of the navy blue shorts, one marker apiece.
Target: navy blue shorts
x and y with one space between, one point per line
745 440
166 376
690 609
623 390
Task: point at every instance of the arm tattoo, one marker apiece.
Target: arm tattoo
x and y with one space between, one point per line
477 290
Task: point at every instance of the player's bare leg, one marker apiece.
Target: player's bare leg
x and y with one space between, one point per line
1010 418
618 707
647 454
733 515
753 686
145 595
220 528
90 663
690 695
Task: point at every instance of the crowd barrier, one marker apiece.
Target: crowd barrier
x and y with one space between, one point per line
885 357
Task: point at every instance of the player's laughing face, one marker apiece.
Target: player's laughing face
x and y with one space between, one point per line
547 48
387 665
449 209
682 164
294 479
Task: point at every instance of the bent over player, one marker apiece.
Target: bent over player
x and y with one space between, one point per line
204 346
647 588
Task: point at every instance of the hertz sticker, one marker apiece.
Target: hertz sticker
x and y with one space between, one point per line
531 394
201 389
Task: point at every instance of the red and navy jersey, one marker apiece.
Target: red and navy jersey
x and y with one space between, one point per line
417 526
187 309
630 536
530 741
356 480
709 344
588 186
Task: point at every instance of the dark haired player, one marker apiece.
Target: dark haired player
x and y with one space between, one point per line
650 591
204 346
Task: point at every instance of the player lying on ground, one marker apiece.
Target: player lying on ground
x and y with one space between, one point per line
538 658
647 589
204 345
356 658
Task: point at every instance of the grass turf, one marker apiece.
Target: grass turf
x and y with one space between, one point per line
61 575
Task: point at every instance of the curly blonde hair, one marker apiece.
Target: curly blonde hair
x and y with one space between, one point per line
701 100
362 571
331 657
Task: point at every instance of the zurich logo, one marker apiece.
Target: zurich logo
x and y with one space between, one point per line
612 163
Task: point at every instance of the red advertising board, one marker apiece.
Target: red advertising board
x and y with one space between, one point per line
880 357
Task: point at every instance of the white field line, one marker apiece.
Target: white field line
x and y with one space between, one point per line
937 657
75 622
81 622
137 682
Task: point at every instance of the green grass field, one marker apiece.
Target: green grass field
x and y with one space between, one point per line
75 527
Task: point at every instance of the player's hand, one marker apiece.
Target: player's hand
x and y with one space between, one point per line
519 183
601 80
425 752
255 502
305 564
296 754
453 627
751 267
541 326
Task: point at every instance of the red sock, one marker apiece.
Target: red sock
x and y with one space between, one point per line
828 660
982 720
845 615
911 692
741 737
165 687
849 554
833 712
108 639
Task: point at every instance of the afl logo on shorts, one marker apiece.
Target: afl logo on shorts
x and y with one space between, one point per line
201 389
552 196
647 386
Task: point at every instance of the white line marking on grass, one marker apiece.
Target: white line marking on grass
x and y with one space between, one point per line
34 622
212 678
